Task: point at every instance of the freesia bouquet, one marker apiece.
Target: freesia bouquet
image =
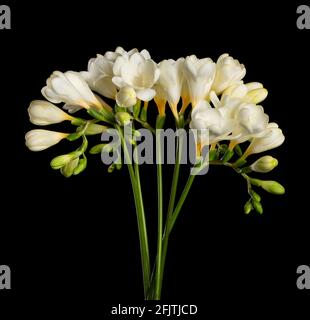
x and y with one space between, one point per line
215 113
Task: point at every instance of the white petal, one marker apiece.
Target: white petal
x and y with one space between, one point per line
145 94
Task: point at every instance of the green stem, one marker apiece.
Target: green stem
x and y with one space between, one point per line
175 178
174 185
170 223
160 219
182 199
143 239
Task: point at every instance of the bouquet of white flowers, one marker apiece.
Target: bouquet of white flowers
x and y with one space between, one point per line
208 100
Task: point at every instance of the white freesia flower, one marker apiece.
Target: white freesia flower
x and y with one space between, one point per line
204 117
252 92
171 81
126 97
139 72
273 137
251 121
43 113
100 73
199 74
71 88
228 72
39 139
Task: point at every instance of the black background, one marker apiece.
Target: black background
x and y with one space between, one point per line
73 242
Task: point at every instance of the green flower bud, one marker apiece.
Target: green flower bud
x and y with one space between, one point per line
248 207
255 196
62 160
264 164
123 118
273 187
94 128
111 168
97 148
82 164
78 121
74 136
257 206
68 169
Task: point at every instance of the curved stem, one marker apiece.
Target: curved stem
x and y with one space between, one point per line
143 238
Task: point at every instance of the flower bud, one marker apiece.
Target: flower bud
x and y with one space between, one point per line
69 168
248 207
256 96
82 164
62 160
123 118
257 206
94 128
273 187
97 148
255 196
264 164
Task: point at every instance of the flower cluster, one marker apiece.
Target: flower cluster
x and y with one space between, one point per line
225 110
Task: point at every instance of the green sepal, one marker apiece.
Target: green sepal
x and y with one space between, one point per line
143 115
180 122
78 121
118 108
102 115
238 150
221 149
246 170
239 163
136 109
213 155
256 182
160 121
228 155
